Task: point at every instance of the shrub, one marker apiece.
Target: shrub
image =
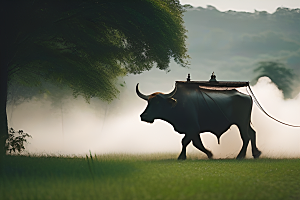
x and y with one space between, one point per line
16 143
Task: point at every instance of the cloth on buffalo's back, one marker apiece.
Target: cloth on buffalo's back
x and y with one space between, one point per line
216 85
210 110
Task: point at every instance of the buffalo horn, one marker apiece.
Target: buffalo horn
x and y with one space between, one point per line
172 93
145 97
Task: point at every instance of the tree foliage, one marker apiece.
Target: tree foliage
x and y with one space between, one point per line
282 76
87 44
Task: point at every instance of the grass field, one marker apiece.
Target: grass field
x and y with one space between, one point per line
157 176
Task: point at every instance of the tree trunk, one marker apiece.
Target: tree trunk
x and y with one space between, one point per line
3 85
3 100
4 62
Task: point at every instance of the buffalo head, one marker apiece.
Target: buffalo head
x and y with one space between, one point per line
158 103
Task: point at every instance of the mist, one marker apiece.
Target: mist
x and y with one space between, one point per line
77 127
228 43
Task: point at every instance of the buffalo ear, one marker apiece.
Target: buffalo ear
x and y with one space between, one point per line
172 101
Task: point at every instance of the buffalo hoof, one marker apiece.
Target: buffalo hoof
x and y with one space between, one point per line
181 157
240 157
209 155
257 154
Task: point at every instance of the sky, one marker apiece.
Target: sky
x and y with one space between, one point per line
245 5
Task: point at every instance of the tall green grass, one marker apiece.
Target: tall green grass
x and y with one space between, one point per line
155 176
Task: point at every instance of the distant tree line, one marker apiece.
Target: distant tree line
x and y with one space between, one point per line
247 45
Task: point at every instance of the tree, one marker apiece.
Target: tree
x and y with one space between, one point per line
282 76
86 44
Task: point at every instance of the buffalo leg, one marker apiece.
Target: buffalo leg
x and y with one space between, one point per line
255 152
185 141
198 144
245 137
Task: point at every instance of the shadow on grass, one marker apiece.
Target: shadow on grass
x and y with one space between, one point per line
226 160
61 167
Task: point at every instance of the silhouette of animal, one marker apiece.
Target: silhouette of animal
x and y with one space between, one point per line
192 110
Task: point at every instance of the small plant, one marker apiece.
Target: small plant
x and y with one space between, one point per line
16 143
91 165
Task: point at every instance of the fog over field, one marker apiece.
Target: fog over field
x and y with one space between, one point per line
116 127
228 43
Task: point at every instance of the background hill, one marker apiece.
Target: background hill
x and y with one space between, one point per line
231 42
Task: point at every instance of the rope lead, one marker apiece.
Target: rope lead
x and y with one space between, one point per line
261 108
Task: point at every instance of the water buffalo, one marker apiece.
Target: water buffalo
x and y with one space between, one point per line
193 110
